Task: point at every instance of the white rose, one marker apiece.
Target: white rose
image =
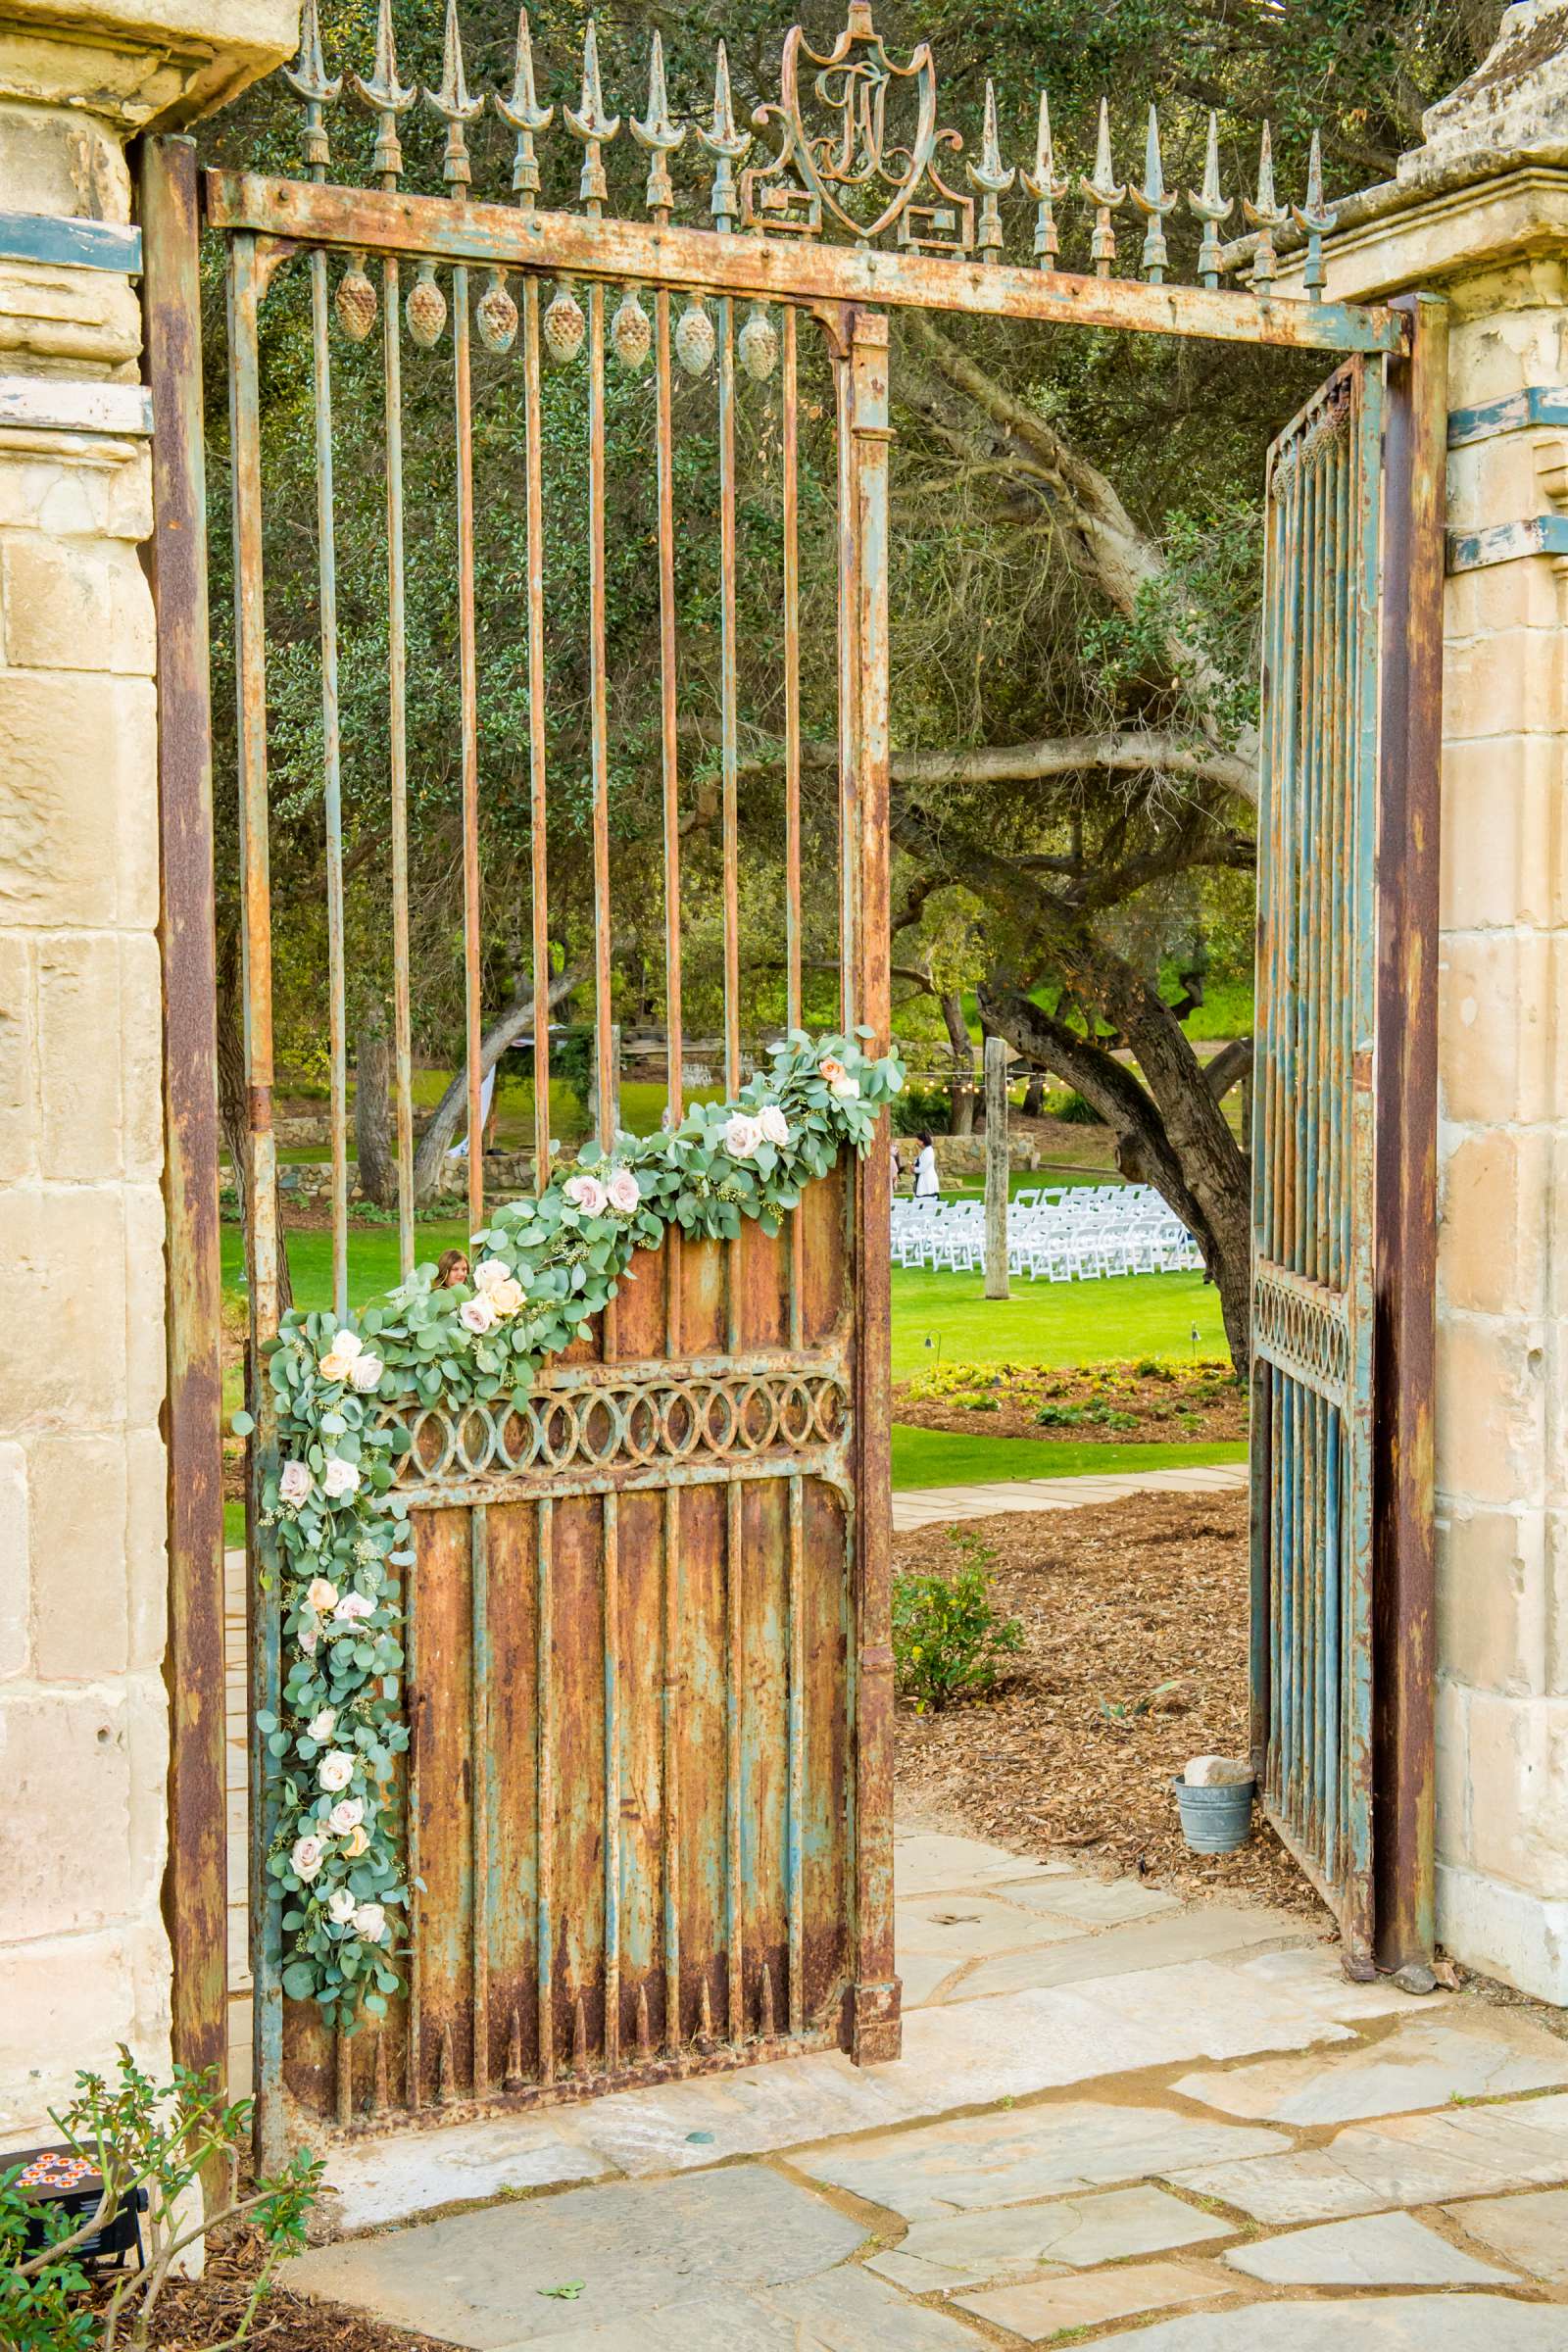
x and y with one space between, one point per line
340 1908
587 1193
308 1641
775 1126
477 1315
352 1607
347 1346
364 1373
506 1298
306 1858
320 1727
369 1922
625 1193
345 1815
335 1770
490 1273
845 1090
341 1478
323 1597
742 1137
295 1484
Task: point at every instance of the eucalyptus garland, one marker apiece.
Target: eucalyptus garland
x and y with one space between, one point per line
537 1276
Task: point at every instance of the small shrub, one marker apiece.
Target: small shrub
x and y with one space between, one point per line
949 1637
1105 1416
1073 1110
921 1110
1061 1416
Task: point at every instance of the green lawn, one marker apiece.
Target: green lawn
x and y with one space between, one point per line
948 1316
940 1457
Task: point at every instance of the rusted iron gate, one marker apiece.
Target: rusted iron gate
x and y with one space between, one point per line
650 1683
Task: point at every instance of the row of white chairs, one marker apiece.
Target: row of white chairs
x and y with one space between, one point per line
1081 1233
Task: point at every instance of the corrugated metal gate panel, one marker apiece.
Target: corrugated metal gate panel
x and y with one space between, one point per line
1313 1163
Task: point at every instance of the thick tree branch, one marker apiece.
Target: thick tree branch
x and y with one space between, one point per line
503 1030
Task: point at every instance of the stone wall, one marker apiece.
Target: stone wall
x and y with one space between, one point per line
84 1958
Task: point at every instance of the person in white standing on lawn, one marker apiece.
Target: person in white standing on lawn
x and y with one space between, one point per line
927 1183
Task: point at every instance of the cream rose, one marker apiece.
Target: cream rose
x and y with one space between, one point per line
340 1478
506 1298
305 1858
335 1770
625 1193
587 1193
369 1922
477 1315
365 1374
323 1597
775 1126
337 1367
741 1136
346 1816
295 1484
358 1844
340 1908
845 1088
321 1726
490 1273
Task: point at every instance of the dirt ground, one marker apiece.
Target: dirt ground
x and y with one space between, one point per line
194 2315
1198 1404
1134 1618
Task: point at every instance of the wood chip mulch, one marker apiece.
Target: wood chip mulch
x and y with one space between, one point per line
194 2315
1074 1757
1111 1404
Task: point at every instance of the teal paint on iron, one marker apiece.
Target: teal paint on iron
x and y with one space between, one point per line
1506 543
1537 403
71 244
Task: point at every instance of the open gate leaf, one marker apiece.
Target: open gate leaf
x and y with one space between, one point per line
541 1271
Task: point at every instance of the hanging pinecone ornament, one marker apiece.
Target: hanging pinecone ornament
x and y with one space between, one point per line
497 314
631 332
695 339
564 326
426 307
356 301
758 344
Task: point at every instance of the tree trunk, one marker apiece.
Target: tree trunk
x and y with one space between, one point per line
436 1140
372 1109
1034 1096
962 1052
231 1093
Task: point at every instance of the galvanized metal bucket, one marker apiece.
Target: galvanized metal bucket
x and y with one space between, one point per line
1215 1821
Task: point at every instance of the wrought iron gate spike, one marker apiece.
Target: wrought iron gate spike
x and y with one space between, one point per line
658 135
1264 214
726 145
1107 195
1317 218
385 97
1047 190
453 103
308 78
1211 207
1155 205
592 125
992 178
524 114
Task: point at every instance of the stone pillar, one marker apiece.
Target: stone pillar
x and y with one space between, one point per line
1480 215
84 1959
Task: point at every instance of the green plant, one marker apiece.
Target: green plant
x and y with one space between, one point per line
571 1061
1061 1416
1105 1416
923 1109
1120 1711
949 1637
162 2141
1073 1110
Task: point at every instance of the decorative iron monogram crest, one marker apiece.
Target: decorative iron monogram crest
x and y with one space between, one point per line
856 171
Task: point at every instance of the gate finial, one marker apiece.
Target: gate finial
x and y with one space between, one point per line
453 103
307 77
991 176
592 125
727 144
1265 216
386 98
526 116
1107 195
1317 218
660 135
1211 209
1047 190
1155 205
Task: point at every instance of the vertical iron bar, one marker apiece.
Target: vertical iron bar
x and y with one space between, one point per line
734 1667
611 1734
663 425
599 718
483 1785
533 495
794 1894
792 666
262 1239
398 757
728 712
468 664
332 778
545 1781
196 1877
671 1769
413 1700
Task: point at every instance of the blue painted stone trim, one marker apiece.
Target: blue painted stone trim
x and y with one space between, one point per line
72 244
1537 404
1506 542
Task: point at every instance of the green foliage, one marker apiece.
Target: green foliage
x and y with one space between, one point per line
950 1641
1073 1110
540 1273
158 2139
924 1110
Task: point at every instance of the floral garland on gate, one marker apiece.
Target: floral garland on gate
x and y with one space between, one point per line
547 1267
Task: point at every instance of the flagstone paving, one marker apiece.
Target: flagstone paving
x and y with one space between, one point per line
1175 2128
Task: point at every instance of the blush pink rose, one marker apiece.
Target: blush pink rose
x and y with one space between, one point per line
305 1860
587 1193
295 1484
741 1136
477 1315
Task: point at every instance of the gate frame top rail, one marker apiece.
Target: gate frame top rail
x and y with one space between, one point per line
698 261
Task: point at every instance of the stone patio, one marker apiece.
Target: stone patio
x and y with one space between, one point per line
1115 2116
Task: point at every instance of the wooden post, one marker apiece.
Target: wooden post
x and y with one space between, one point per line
999 1165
